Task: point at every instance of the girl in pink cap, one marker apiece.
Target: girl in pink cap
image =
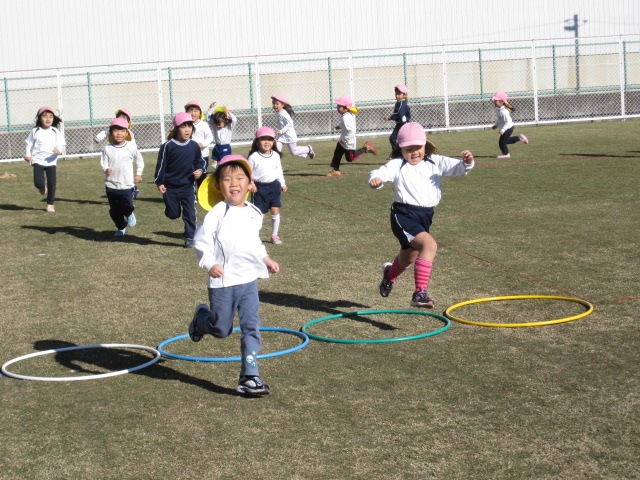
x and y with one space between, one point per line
416 173
505 125
286 132
268 178
347 143
401 113
202 134
44 143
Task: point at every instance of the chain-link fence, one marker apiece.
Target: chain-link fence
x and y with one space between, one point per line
449 89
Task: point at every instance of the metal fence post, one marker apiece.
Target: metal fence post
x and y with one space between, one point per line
258 92
481 73
90 99
160 105
252 107
170 78
6 103
60 109
351 89
445 91
330 74
621 57
534 79
404 68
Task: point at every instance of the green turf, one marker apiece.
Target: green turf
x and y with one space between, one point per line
561 217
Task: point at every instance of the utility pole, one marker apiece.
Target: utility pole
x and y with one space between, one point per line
574 28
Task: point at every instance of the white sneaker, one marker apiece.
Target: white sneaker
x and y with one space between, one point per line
131 220
508 155
275 239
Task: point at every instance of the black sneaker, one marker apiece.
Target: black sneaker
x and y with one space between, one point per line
421 299
252 386
386 285
188 243
194 332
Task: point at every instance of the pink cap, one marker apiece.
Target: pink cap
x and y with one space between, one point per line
126 112
180 118
193 103
119 122
265 132
412 134
402 88
45 109
345 102
234 158
502 96
281 98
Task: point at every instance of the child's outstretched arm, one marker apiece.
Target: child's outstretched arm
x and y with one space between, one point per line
467 157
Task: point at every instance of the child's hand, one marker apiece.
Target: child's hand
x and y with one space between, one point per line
137 179
284 189
493 127
216 271
56 151
197 174
213 105
162 189
272 266
386 117
27 159
253 188
375 182
108 171
467 157
501 132
338 127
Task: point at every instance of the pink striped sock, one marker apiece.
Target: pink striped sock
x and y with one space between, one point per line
395 271
422 273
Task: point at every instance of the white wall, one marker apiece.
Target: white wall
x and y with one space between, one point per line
51 34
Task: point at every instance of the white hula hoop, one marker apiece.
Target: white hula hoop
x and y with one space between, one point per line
85 377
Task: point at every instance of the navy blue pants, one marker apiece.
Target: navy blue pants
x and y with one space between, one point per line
181 201
409 221
506 139
120 206
268 195
39 172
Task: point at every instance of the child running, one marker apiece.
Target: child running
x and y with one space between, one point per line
229 249
401 113
179 165
416 173
44 143
286 133
268 178
505 125
222 123
117 165
347 144
201 134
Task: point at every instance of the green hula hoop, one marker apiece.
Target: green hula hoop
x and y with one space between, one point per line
555 321
447 324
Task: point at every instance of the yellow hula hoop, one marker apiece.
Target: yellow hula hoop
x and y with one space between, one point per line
590 309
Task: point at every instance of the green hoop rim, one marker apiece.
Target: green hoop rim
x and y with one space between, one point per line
447 325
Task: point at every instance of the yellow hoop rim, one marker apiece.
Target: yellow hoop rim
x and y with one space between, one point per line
590 309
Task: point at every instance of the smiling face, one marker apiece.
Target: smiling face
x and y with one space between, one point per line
194 112
119 135
265 144
234 184
277 105
413 154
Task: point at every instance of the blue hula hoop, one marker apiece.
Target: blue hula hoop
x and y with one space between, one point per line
302 335
445 320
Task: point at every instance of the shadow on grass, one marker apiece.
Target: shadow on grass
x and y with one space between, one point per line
316 305
170 234
115 359
85 233
596 155
17 208
82 201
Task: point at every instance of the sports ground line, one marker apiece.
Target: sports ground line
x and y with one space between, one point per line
444 245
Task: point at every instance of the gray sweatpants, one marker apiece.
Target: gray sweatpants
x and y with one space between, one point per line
224 303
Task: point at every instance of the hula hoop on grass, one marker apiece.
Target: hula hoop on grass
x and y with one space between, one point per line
589 310
303 336
85 377
446 321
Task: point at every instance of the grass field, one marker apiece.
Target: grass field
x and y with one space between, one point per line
561 217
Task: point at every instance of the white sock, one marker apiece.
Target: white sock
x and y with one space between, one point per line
275 224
